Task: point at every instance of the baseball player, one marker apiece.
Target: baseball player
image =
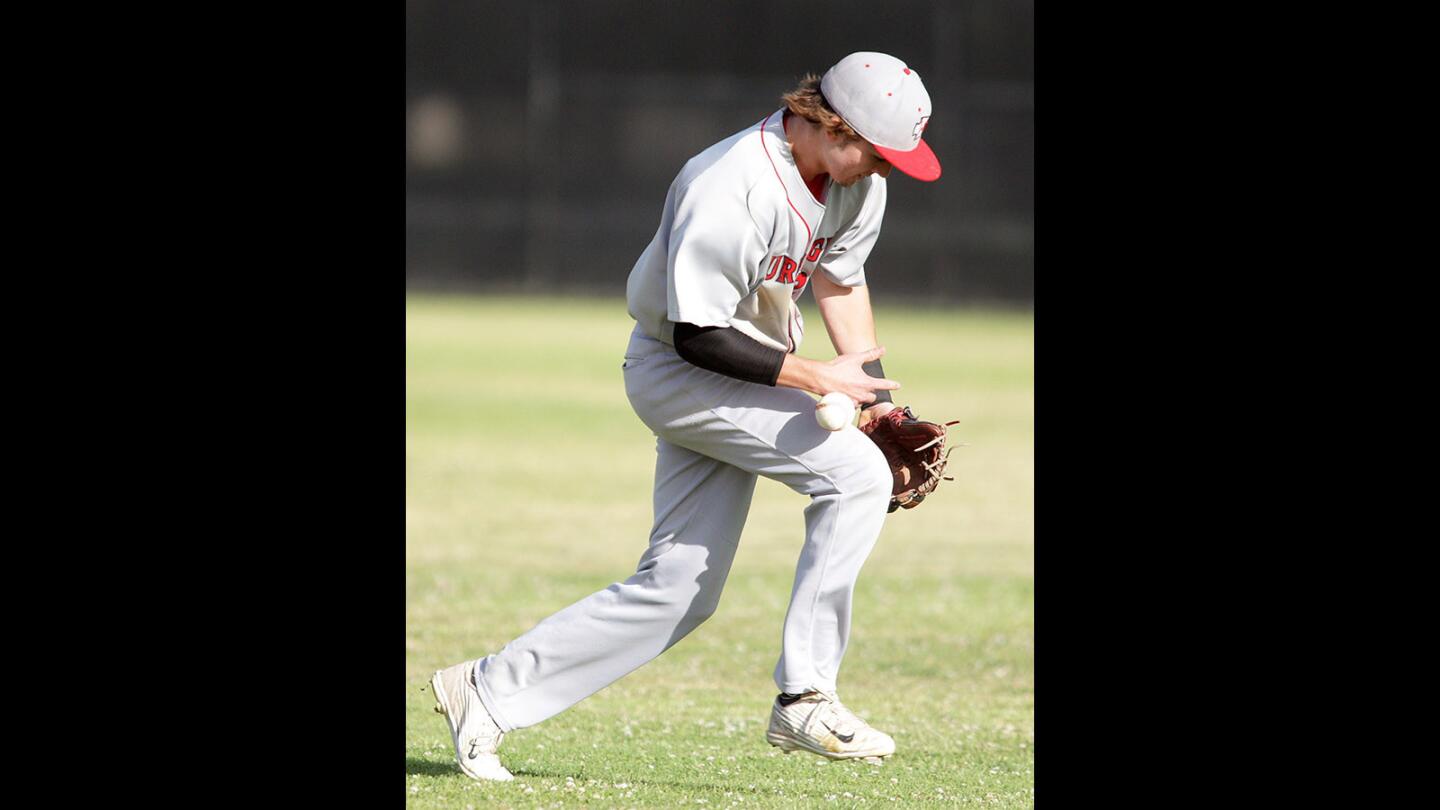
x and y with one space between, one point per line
791 202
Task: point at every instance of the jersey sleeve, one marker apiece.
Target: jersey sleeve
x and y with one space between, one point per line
715 257
844 261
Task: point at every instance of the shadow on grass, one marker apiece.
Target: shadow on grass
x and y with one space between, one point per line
430 767
700 785
415 766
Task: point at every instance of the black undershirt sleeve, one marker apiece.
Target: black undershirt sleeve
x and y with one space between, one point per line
874 370
728 351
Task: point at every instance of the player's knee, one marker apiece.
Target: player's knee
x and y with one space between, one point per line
685 613
701 604
876 479
702 607
669 586
865 475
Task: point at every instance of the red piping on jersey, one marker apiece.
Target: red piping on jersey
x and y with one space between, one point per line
783 187
790 322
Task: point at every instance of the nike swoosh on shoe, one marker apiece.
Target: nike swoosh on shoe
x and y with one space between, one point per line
845 738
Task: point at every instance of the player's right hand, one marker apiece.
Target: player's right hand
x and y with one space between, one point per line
846 375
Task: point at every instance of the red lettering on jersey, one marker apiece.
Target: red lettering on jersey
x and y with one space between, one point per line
801 280
787 272
816 249
774 267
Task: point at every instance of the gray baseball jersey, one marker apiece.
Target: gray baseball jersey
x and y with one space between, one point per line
740 236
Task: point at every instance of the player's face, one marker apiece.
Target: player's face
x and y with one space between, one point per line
851 160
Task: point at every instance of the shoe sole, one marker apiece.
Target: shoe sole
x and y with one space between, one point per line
787 743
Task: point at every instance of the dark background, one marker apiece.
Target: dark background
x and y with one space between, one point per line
541 137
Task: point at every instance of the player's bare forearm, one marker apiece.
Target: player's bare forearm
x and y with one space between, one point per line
847 315
844 374
851 324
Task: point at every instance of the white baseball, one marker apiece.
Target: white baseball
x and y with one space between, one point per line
834 411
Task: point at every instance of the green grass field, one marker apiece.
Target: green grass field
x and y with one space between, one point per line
527 487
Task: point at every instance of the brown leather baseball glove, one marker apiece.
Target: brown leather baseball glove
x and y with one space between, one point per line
915 450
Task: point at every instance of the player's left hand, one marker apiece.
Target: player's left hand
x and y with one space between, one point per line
915 451
875 412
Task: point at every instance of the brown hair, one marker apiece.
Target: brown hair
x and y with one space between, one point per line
807 102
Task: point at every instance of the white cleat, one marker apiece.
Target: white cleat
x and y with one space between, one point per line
475 735
819 723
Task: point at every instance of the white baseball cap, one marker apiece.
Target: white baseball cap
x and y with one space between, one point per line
886 104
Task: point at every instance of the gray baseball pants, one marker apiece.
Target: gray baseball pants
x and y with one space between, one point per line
714 435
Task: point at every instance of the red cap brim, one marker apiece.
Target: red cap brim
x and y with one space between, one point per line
920 163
